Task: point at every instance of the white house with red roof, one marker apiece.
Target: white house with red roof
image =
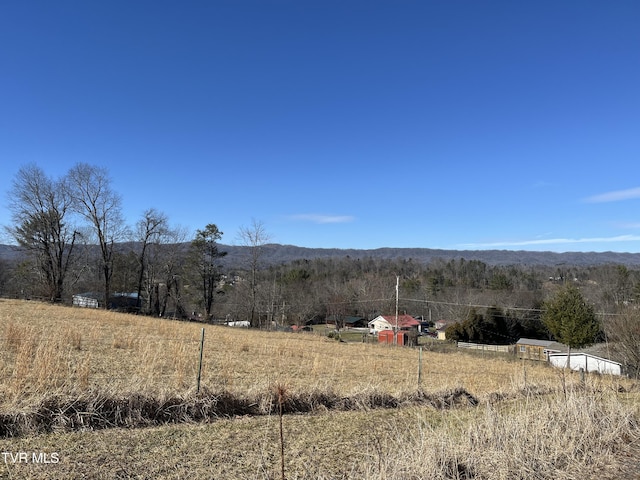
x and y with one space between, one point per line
388 322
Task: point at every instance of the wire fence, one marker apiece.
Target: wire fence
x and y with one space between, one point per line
487 348
179 362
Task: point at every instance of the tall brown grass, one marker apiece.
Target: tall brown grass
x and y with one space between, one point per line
68 375
581 436
591 435
47 347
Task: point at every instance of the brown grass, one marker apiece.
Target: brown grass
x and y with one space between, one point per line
51 348
69 369
589 436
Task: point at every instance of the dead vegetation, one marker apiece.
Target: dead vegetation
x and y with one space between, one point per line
58 350
81 383
591 435
93 411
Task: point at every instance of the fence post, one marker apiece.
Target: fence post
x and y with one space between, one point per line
200 362
419 366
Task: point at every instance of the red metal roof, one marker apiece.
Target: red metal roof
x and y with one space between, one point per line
403 320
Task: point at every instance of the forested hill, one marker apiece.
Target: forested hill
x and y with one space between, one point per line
274 254
278 254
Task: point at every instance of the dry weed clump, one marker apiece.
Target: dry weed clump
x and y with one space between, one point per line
515 439
99 409
545 437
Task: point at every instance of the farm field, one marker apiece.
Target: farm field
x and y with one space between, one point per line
108 395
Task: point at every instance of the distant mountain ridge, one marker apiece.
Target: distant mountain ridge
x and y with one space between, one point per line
275 254
10 253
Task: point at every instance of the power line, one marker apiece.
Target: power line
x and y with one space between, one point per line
454 304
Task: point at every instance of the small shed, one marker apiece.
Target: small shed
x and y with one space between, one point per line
87 300
441 328
586 362
441 333
239 323
533 349
386 337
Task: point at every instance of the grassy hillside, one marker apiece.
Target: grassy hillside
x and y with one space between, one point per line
71 379
54 349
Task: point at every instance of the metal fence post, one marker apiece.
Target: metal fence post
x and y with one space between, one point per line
419 366
200 362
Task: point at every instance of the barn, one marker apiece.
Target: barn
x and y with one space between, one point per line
586 362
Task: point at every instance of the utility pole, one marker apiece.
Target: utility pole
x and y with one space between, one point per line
395 333
284 304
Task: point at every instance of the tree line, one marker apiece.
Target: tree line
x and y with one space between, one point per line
76 240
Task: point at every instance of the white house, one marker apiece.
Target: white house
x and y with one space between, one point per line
379 324
388 322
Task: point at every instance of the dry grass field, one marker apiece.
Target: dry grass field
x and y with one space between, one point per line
95 394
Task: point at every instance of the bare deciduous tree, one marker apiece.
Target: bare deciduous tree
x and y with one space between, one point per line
149 230
623 336
95 200
254 237
40 208
164 266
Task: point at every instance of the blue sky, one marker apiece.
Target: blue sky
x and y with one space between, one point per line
339 124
